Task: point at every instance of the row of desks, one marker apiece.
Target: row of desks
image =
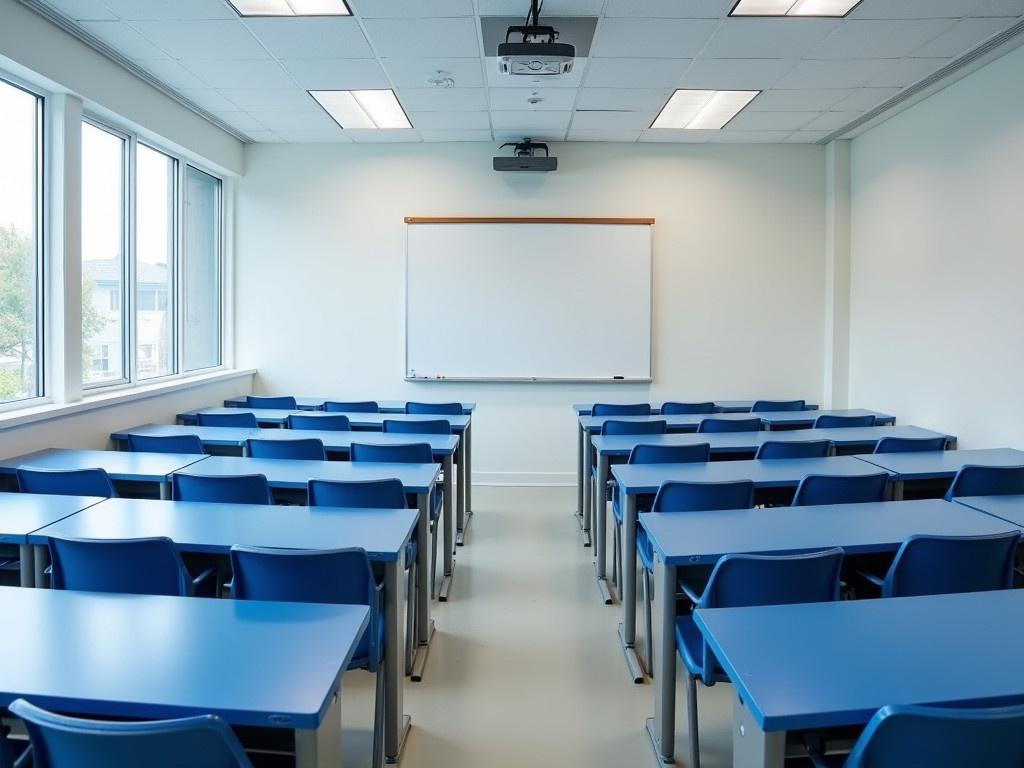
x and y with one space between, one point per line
317 404
721 406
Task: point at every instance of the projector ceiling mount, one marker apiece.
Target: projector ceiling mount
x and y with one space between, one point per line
537 52
525 157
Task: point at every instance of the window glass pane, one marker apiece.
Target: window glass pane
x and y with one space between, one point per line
102 255
154 250
202 270
19 178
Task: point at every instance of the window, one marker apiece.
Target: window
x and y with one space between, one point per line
20 244
103 254
202 283
155 250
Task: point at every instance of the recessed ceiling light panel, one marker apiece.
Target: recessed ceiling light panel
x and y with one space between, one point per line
830 8
291 7
702 110
377 109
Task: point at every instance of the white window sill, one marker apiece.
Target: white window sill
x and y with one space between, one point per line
32 414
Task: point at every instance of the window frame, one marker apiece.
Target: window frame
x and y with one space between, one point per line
221 288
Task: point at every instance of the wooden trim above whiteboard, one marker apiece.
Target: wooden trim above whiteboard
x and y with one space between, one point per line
520 220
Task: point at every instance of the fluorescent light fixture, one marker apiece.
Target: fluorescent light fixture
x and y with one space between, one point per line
707 110
291 7
375 109
833 8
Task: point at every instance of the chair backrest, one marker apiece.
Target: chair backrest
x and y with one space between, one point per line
840 489
306 448
241 419
766 406
352 406
434 409
150 566
938 565
424 427
65 482
165 444
222 489
409 453
710 426
831 421
657 427
795 449
357 494
670 454
285 403
59 741
621 409
685 409
684 496
910 444
940 737
977 480
336 422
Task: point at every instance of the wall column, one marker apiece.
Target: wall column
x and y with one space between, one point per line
837 275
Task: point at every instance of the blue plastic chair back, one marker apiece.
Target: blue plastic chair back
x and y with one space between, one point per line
425 427
410 453
59 741
286 403
357 494
910 444
713 426
242 419
165 444
658 427
682 496
335 423
977 480
767 406
621 409
307 449
434 409
937 737
841 489
150 566
670 454
354 406
221 489
686 409
831 421
65 482
797 449
939 565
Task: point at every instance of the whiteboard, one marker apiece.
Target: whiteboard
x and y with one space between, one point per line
528 301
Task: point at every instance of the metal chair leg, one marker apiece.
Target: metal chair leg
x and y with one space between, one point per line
410 617
433 559
615 555
691 711
378 721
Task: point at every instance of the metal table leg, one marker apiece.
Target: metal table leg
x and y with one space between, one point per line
26 557
460 493
396 722
588 489
449 529
469 472
321 747
752 747
662 728
627 630
424 624
601 534
580 437
40 561
165 490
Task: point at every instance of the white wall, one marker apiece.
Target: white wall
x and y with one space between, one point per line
937 270
739 274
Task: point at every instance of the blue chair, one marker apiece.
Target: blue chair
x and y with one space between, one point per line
335 576
766 406
304 449
621 409
243 419
286 403
222 489
148 566
831 421
977 480
840 489
624 428
65 482
716 426
165 444
749 580
59 741
355 406
910 444
425 427
796 449
434 409
334 423
686 409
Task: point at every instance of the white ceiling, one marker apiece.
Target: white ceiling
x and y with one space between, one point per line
817 75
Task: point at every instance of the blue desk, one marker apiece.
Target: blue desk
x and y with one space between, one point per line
215 528
822 665
721 406
121 466
269 665
1009 508
221 437
23 513
317 404
940 465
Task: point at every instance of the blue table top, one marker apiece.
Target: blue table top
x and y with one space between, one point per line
317 403
942 464
829 664
745 442
361 420
593 424
288 473
703 537
772 418
771 473
215 528
222 436
441 445
721 406
1009 508
23 513
120 465
250 662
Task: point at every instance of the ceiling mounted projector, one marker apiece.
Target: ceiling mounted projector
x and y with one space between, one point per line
537 53
524 158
